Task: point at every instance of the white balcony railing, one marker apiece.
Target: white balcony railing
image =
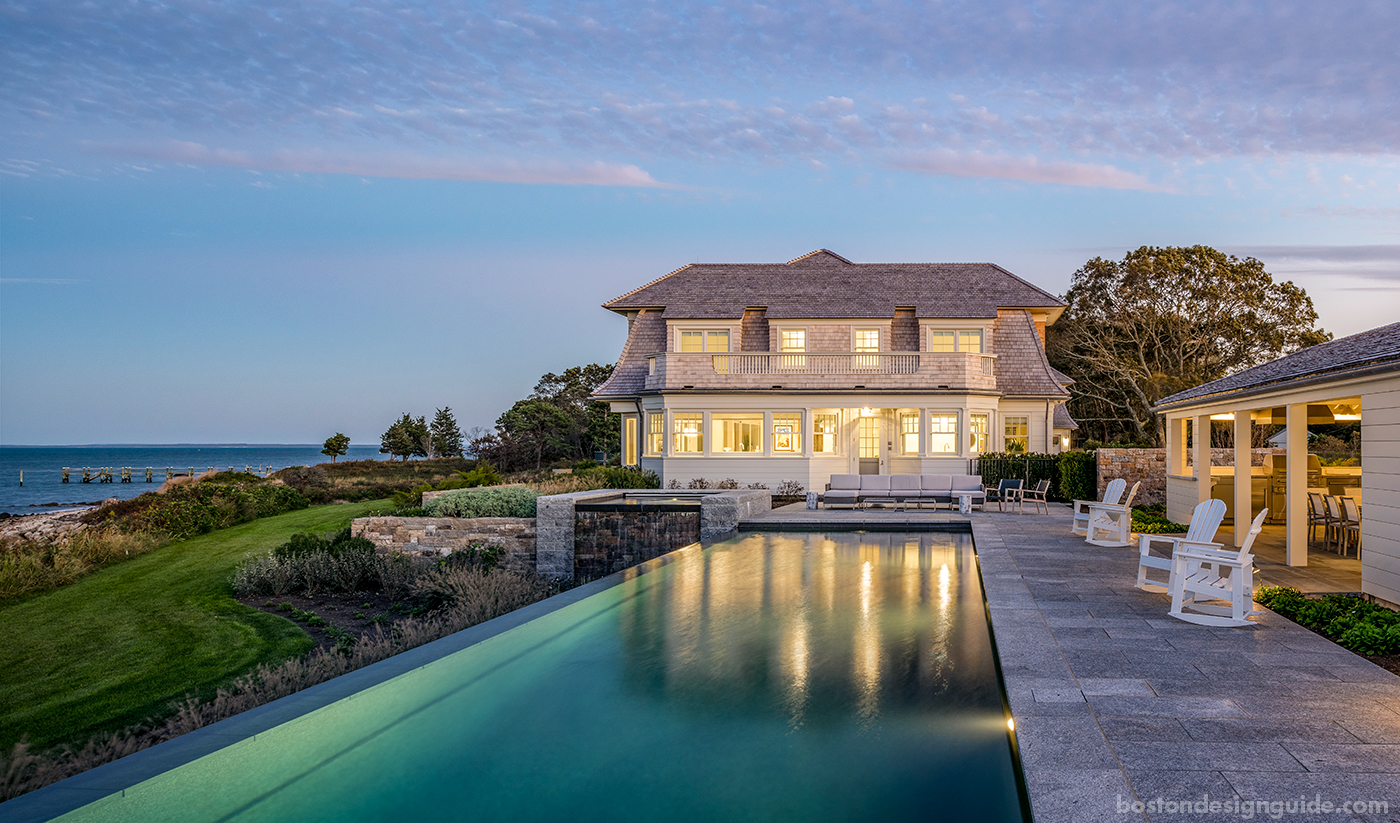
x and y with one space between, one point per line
754 370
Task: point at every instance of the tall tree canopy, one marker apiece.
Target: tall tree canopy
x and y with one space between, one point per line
556 422
446 436
336 446
406 438
1163 320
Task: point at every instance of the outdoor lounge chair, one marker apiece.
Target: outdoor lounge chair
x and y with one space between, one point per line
1111 524
843 490
1208 571
1111 494
1007 491
1039 496
1205 522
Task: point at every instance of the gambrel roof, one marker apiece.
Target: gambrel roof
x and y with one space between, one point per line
825 284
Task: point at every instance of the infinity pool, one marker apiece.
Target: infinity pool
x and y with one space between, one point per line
773 677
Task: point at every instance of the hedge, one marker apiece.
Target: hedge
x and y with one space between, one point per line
500 501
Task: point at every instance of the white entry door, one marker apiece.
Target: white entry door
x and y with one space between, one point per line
870 441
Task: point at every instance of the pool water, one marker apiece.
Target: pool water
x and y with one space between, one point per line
772 677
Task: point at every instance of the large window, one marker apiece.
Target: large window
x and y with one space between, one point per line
1017 431
736 433
656 433
868 436
793 340
909 432
942 433
705 340
824 433
688 434
787 433
977 423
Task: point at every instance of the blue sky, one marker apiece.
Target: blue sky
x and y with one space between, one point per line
261 222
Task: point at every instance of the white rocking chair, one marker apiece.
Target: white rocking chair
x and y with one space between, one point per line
1081 507
1205 521
1200 573
1111 524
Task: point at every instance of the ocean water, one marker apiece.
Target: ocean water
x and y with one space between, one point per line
43 469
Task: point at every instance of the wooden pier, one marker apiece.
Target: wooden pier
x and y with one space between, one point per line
124 474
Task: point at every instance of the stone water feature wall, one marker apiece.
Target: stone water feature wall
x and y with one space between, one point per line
1150 467
610 541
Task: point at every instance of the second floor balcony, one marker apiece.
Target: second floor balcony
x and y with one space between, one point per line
821 370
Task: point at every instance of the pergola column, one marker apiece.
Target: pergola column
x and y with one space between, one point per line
1296 465
1244 477
1200 447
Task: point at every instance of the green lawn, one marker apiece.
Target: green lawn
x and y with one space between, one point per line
119 645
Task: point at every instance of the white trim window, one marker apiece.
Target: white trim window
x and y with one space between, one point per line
656 433
824 428
942 433
704 340
1017 434
688 433
909 432
978 425
736 433
787 433
866 340
793 340
629 440
970 341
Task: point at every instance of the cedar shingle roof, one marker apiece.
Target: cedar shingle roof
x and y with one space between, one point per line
1021 368
1377 350
646 335
825 284
1063 419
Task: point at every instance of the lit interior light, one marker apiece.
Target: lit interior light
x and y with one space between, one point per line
1225 416
867 412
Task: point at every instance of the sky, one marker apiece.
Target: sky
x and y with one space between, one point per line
268 222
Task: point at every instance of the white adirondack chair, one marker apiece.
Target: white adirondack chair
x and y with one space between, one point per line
1205 521
1111 494
1200 572
1111 524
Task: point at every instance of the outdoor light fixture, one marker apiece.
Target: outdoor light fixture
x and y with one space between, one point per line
1225 416
1010 724
867 412
1345 411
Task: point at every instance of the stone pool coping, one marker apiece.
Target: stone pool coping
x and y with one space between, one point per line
81 789
1116 701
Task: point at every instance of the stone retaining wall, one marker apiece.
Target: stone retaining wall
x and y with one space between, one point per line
1150 467
607 542
440 536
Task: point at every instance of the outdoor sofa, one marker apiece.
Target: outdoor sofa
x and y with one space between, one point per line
854 489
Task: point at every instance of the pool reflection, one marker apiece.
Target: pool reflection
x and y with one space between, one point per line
815 628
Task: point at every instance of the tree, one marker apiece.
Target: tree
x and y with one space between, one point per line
336 446
446 437
1163 320
595 426
536 427
406 438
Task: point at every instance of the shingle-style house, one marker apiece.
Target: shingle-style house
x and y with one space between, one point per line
821 366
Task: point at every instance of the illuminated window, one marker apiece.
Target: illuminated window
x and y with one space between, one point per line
978 425
787 433
656 433
687 433
736 433
869 437
707 340
942 434
629 441
867 340
1017 434
824 433
793 340
970 341
941 340
909 432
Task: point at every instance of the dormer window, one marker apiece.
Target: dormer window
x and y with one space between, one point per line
705 340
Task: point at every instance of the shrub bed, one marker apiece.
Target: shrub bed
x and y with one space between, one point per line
1359 625
356 480
189 509
501 501
1153 520
32 566
312 564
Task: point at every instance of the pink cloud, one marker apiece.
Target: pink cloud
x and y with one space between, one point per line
388 164
1024 168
